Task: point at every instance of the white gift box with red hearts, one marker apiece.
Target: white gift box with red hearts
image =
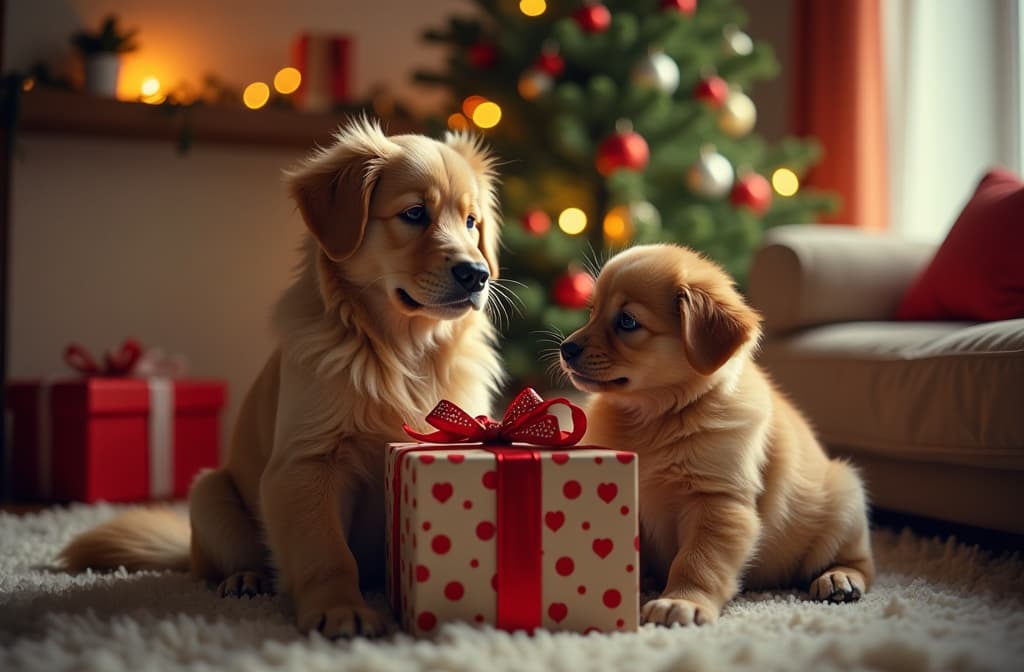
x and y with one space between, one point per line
451 556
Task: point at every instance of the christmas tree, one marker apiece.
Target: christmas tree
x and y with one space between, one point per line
619 122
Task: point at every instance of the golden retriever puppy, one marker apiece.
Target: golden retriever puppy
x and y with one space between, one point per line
382 321
734 487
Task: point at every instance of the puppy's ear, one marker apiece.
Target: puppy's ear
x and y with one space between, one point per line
333 186
483 163
714 328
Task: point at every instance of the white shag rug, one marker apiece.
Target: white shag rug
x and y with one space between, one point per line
935 606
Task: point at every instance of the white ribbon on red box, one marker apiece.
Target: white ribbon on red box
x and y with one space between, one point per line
161 437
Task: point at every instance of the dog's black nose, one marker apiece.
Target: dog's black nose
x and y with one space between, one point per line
472 276
570 350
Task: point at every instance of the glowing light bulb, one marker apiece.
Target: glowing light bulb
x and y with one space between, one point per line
150 86
487 115
458 122
470 104
256 95
616 225
533 7
572 221
28 84
287 80
785 182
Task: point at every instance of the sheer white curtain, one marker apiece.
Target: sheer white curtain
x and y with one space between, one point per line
953 78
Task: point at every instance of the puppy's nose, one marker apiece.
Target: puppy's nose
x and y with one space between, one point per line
471 276
570 350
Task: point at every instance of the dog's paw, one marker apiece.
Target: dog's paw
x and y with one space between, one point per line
837 586
345 622
669 611
245 584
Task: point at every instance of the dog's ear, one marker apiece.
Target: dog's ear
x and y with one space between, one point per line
332 187
483 164
715 328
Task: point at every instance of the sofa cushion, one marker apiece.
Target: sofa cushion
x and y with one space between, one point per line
978 271
927 391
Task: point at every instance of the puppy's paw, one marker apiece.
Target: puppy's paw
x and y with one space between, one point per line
669 611
837 585
344 622
245 584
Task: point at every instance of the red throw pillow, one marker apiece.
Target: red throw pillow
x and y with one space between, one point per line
978 271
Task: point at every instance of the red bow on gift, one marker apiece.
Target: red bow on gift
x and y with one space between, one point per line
525 420
115 363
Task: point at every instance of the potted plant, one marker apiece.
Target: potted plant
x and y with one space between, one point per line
101 52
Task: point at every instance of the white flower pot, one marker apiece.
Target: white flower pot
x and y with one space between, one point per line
101 71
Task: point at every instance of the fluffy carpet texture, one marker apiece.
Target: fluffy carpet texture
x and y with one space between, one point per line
936 605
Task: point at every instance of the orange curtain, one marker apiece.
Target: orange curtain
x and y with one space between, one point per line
838 97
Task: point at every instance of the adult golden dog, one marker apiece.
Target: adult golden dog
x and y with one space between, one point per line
382 321
734 487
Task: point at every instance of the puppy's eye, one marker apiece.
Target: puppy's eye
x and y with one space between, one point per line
417 214
470 222
627 322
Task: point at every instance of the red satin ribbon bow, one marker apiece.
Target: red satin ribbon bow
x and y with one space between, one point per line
526 420
115 363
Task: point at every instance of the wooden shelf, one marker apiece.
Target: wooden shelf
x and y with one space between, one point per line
63 112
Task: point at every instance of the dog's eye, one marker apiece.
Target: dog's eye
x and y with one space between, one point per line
470 222
417 214
627 322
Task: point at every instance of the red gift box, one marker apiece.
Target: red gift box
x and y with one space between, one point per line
113 439
511 534
325 63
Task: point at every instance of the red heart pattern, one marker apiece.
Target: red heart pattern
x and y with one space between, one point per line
583 589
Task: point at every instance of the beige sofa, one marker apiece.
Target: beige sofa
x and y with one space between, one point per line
931 412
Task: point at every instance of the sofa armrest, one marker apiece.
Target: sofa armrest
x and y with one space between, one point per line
807 275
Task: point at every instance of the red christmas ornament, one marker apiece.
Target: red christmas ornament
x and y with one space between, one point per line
712 90
594 17
687 7
550 63
573 290
536 222
483 55
753 191
624 149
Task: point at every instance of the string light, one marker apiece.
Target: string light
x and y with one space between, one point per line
287 80
256 95
470 104
533 7
487 115
785 182
572 221
28 84
616 225
458 122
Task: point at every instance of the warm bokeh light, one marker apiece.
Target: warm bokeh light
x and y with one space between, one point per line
287 80
616 225
487 115
785 182
533 7
469 105
458 122
28 84
256 95
572 221
150 86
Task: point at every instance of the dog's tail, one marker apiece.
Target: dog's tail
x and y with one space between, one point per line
136 540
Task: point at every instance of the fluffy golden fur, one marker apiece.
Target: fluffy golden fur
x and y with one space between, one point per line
382 321
734 487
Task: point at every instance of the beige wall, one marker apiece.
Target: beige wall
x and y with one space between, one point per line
111 239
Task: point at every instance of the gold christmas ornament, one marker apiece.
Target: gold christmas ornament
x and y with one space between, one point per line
738 114
737 42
